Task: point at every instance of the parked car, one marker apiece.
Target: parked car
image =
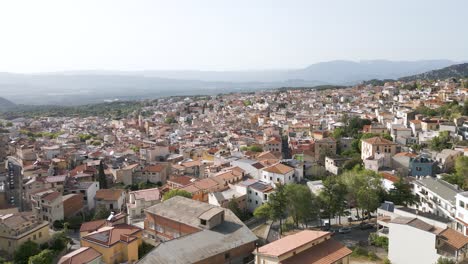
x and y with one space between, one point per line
344 230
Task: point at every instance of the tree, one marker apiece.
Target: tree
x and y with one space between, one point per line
45 257
25 251
332 197
443 260
101 213
102 176
234 207
461 166
59 241
441 142
176 192
301 203
275 208
401 194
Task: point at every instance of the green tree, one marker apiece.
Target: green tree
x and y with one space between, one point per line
102 176
59 241
401 194
441 142
176 192
25 251
234 207
301 204
443 260
101 213
333 197
461 166
45 257
276 207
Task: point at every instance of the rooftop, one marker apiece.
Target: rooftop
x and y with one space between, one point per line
291 242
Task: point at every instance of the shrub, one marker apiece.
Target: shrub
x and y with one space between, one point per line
372 256
359 251
387 261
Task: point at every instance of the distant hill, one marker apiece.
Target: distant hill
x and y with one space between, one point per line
454 71
86 87
6 104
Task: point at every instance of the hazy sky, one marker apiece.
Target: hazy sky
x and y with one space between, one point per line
43 35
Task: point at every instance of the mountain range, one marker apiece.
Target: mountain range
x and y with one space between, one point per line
453 71
81 87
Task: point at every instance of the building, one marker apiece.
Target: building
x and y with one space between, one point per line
87 189
112 199
334 165
140 200
324 147
446 159
305 247
461 212
17 228
422 165
223 198
48 205
436 196
409 235
72 204
278 173
196 232
117 244
256 193
377 145
83 255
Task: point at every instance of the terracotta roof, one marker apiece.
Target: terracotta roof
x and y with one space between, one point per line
279 169
92 225
389 176
291 242
405 154
181 180
82 255
110 235
327 252
51 196
154 168
109 194
453 238
378 141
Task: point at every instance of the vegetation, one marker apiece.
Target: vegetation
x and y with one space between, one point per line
26 250
401 194
176 192
460 177
443 260
275 208
234 207
101 213
114 110
378 241
441 142
44 257
102 176
253 148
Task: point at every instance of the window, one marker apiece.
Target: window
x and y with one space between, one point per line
202 221
461 203
227 255
34 237
111 206
256 202
265 196
40 234
256 193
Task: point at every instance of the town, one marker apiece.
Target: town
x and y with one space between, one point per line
373 173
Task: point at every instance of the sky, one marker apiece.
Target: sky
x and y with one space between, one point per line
61 35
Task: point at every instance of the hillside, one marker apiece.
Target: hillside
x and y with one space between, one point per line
6 104
455 71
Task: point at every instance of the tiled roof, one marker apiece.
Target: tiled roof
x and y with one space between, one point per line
147 194
82 255
454 238
279 169
109 194
110 235
378 141
92 225
291 242
154 168
327 252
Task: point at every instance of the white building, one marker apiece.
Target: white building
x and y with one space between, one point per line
461 215
412 240
138 201
88 189
436 196
256 192
278 173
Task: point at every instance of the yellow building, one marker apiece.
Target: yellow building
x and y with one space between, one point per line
17 228
117 244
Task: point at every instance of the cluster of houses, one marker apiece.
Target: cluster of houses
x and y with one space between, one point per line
225 148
